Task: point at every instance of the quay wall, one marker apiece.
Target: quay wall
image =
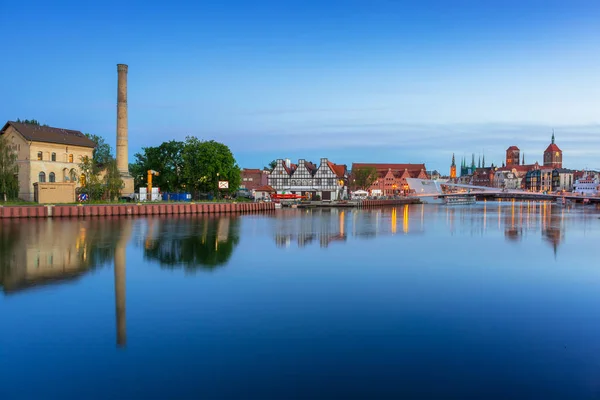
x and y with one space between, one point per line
384 203
76 211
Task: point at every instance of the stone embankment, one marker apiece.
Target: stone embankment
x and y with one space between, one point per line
74 211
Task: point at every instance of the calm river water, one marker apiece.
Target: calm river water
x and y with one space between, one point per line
495 300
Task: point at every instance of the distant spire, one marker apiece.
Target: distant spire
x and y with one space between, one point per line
479 162
473 161
552 136
483 161
523 162
453 164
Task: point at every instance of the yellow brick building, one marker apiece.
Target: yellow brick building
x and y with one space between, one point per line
46 154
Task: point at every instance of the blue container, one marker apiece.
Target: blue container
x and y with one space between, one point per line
177 197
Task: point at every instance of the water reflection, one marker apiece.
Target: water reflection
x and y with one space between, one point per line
513 219
327 226
189 242
39 252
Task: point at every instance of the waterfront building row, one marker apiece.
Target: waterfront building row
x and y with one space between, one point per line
327 181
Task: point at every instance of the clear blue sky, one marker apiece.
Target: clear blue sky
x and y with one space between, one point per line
355 81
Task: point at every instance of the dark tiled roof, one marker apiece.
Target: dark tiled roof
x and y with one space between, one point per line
512 148
48 134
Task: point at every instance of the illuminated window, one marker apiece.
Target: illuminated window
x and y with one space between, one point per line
53 156
40 156
52 177
42 177
70 157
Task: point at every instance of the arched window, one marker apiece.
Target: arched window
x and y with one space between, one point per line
40 156
53 156
66 175
73 175
52 177
70 157
42 177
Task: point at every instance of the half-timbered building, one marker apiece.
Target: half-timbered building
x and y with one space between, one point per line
328 181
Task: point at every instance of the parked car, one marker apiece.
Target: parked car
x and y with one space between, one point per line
244 193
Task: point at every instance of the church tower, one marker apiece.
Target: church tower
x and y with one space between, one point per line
553 155
512 155
453 168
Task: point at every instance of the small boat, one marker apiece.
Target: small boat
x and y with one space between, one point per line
459 200
277 205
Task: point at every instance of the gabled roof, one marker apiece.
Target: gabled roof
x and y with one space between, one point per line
290 170
395 167
552 148
265 188
251 171
512 148
519 168
312 167
338 170
48 134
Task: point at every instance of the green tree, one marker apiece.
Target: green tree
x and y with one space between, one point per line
91 181
167 159
205 163
364 177
102 152
272 165
30 121
9 182
112 180
194 244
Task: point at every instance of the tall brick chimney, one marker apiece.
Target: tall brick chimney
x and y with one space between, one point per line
122 143
122 134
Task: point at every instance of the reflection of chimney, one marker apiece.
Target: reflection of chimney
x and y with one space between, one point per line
120 283
120 295
122 143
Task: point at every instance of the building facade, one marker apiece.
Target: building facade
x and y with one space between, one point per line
513 155
506 180
328 181
252 179
483 177
391 178
46 154
562 179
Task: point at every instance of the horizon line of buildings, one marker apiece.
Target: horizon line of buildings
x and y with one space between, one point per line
515 174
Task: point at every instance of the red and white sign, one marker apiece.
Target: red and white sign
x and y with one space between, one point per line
223 184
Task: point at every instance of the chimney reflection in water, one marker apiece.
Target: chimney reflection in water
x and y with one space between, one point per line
120 276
